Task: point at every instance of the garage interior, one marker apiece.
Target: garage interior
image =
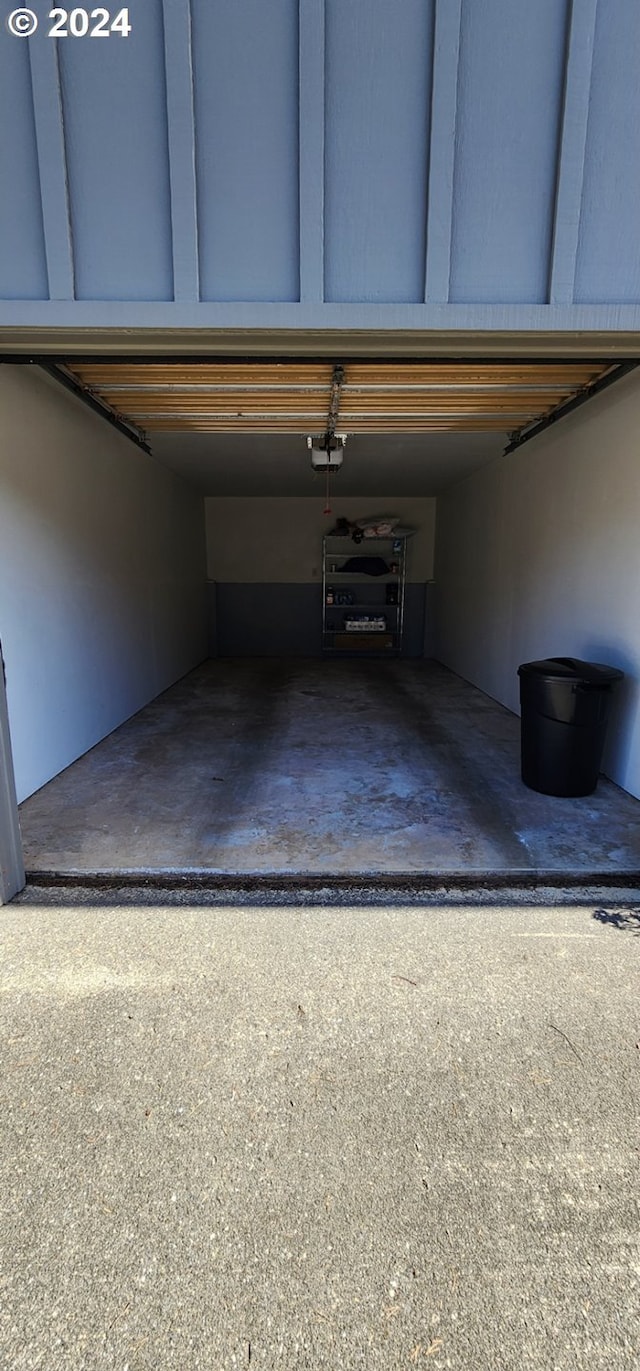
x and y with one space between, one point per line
171 706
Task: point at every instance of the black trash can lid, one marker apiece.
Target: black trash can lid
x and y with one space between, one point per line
571 669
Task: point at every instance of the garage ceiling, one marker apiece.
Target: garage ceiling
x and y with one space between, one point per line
376 466
295 396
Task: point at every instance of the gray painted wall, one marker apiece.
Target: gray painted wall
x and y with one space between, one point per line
102 575
285 619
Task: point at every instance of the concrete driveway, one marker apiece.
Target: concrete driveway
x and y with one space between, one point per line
322 1137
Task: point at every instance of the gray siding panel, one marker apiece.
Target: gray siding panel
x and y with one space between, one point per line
608 265
114 105
510 85
246 105
377 129
297 164
23 268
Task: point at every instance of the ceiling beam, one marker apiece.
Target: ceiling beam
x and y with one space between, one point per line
170 343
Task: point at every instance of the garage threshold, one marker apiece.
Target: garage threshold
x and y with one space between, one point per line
165 890
309 775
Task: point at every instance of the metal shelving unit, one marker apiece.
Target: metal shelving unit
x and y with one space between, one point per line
363 613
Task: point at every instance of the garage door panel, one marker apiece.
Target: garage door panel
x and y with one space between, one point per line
296 397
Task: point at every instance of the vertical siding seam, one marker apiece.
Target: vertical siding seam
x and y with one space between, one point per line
48 117
572 152
444 103
179 84
311 144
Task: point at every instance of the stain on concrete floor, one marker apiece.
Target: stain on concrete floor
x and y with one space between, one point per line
320 766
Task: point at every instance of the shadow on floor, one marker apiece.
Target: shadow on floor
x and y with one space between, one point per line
452 740
627 920
322 769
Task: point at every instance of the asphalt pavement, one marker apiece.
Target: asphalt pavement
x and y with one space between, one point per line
284 1137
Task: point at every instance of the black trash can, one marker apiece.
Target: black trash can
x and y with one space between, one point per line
564 711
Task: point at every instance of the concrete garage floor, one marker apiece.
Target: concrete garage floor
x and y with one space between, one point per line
274 1138
268 766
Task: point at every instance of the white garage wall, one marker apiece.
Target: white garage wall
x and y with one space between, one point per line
278 540
102 575
538 555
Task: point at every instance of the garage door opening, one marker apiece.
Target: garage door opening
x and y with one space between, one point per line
171 719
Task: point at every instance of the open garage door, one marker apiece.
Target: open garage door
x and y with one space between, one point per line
374 397
269 758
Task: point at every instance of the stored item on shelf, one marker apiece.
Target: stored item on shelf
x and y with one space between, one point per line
365 623
363 599
381 526
366 566
376 526
362 642
342 529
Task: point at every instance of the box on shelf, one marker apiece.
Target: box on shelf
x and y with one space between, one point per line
362 641
363 623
